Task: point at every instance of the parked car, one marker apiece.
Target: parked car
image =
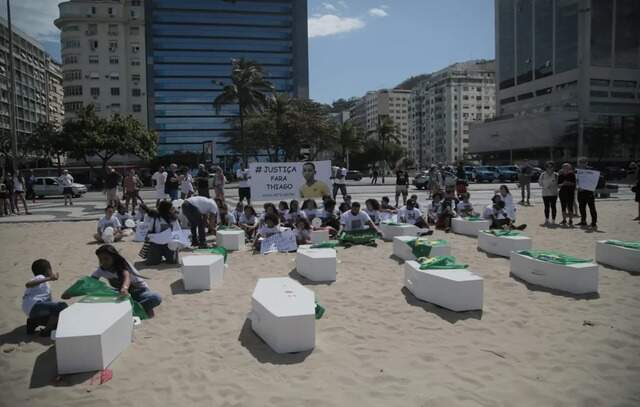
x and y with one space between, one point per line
49 186
485 174
354 175
535 174
615 172
508 173
421 180
470 173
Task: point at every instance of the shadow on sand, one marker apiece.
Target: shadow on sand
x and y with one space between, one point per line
449 316
263 353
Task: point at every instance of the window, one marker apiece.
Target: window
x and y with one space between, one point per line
627 34
525 96
113 59
137 108
95 92
545 91
599 94
566 35
135 62
70 59
71 44
74 75
94 75
599 82
93 10
92 29
135 47
624 84
73 91
114 76
134 30
626 95
110 11
601 30
135 3
68 28
93 44
113 29
524 41
135 92
93 59
506 42
135 77
113 46
506 101
115 91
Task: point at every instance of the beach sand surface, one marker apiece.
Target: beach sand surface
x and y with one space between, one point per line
376 345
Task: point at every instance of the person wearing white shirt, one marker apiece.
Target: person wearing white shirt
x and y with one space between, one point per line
109 220
509 207
37 302
244 191
355 219
197 210
465 207
411 215
340 182
186 184
159 179
19 187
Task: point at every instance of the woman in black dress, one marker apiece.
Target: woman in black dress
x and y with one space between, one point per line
567 184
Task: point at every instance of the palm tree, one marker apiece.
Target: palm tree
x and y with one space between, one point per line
248 89
348 140
386 132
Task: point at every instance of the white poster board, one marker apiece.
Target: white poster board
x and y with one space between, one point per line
286 181
587 179
284 241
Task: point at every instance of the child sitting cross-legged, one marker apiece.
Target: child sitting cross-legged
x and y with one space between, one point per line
465 207
270 226
108 221
37 302
303 231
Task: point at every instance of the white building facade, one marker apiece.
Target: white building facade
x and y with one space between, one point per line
393 103
103 57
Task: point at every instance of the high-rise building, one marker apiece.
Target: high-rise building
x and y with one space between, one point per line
55 111
103 56
35 101
394 103
190 48
444 105
561 66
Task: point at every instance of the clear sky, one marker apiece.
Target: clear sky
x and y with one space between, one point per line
354 45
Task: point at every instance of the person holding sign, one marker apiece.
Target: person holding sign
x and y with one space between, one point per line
312 188
587 183
357 220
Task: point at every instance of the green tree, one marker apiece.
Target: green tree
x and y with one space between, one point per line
249 90
386 134
348 140
50 142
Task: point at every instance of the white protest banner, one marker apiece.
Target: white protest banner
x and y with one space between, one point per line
141 232
286 181
284 241
587 179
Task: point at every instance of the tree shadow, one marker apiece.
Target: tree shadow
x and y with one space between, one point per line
19 335
305 281
448 315
553 291
263 353
45 372
177 288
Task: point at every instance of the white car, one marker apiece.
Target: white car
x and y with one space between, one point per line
49 186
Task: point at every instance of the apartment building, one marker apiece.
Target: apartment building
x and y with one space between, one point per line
55 91
393 103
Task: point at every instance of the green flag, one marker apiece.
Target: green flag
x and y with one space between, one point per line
623 243
551 256
440 263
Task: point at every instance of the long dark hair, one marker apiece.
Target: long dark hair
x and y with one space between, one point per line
120 264
163 211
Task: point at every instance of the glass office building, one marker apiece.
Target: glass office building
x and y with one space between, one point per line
190 45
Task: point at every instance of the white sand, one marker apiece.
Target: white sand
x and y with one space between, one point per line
375 346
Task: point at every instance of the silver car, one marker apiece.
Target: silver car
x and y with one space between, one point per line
49 186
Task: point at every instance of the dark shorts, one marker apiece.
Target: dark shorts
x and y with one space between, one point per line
47 309
244 193
67 191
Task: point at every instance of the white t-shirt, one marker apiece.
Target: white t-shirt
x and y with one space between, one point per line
243 178
409 216
303 234
464 207
292 217
266 231
509 207
160 178
186 185
136 282
34 295
374 215
355 222
66 180
205 205
17 184
105 223
158 225
310 213
490 210
231 220
247 220
341 173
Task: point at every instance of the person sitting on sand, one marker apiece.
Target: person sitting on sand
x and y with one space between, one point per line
270 227
165 217
372 208
226 218
356 220
109 221
411 215
445 215
434 208
283 211
303 231
37 302
122 215
500 218
124 278
293 214
310 209
249 222
465 207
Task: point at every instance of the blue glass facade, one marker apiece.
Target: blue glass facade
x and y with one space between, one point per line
190 44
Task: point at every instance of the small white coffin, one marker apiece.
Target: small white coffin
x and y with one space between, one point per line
402 250
283 314
230 239
579 278
457 290
91 335
619 257
462 226
317 264
202 272
391 231
502 245
319 236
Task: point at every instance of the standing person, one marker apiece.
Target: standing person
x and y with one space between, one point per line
374 176
586 198
549 182
113 179
218 183
435 180
172 183
130 188
159 178
202 181
31 181
567 184
200 210
340 182
524 179
4 198
244 191
402 186
186 184
8 181
66 180
19 187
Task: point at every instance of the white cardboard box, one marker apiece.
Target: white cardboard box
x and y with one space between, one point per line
404 251
283 314
457 290
579 278
462 226
230 239
317 264
391 231
202 272
319 236
502 245
619 257
91 335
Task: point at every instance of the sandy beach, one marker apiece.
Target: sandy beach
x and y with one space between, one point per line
376 345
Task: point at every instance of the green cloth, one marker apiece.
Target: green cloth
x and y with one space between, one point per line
473 218
551 256
327 244
220 251
502 232
96 291
624 243
320 310
440 263
421 247
358 237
